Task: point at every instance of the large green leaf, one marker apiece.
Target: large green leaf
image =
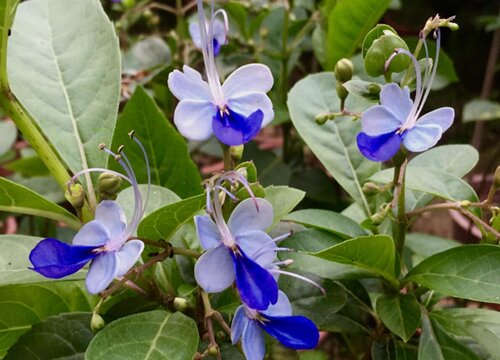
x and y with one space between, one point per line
481 110
436 344
328 221
152 335
164 222
334 143
169 160
468 272
424 245
374 254
22 306
400 313
348 23
8 135
284 199
482 325
74 89
59 337
19 199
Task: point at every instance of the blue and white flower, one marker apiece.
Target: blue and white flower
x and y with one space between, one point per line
104 241
397 120
219 35
234 111
296 332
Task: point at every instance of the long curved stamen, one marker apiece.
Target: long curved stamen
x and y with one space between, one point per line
297 276
225 21
286 262
148 168
227 192
234 176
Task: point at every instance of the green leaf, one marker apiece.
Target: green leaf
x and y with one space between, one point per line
58 337
436 344
482 325
334 143
19 199
468 272
424 245
74 89
372 253
164 222
457 160
148 54
364 89
400 313
348 23
28 167
22 306
152 335
8 135
171 165
283 199
326 220
481 110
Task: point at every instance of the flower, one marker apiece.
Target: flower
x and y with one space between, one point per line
218 38
234 111
396 121
296 332
102 241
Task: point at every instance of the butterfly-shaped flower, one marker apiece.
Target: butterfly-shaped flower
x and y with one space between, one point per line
102 241
218 38
397 120
234 111
296 332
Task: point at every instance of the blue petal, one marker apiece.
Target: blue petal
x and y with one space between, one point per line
128 255
379 120
207 232
258 246
110 214
256 285
214 270
296 332
188 85
253 342
396 99
93 233
217 46
246 79
379 148
103 269
193 119
422 137
250 215
442 117
54 259
245 104
234 129
239 323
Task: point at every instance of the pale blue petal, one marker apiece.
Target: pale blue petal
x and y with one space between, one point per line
193 119
443 117
258 246
93 233
281 308
214 270
248 78
194 31
103 269
246 104
253 343
422 137
219 31
379 120
239 323
250 215
189 85
207 232
396 99
111 215
128 255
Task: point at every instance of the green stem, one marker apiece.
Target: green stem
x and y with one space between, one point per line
185 252
228 164
284 53
399 200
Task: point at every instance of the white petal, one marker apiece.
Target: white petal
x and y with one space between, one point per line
396 99
207 232
443 117
214 270
246 216
193 119
188 85
128 255
422 137
246 104
103 269
111 215
93 233
248 78
281 308
379 120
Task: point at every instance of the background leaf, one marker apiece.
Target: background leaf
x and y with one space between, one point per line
8 135
284 199
152 335
171 165
334 143
400 313
481 110
468 272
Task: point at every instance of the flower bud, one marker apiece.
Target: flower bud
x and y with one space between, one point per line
496 178
342 92
465 203
378 218
236 152
370 188
213 350
374 89
321 119
181 304
109 186
75 195
343 70
97 322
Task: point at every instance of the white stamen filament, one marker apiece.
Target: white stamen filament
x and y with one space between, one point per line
148 170
303 278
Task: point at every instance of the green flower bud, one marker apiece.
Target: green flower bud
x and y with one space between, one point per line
496 178
181 304
213 350
109 186
343 70
374 89
97 322
370 188
378 218
321 119
342 91
236 152
75 195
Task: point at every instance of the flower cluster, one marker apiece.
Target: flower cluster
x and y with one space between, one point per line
234 111
397 120
103 241
240 250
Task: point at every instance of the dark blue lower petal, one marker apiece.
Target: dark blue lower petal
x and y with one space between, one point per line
234 129
217 46
256 285
54 259
381 147
296 332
